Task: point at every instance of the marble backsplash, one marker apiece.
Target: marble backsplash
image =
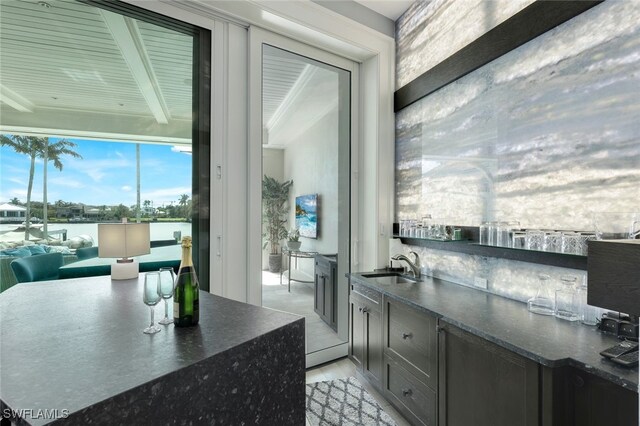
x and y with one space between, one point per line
431 31
507 278
546 134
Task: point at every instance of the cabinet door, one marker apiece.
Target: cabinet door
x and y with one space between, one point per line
319 291
373 345
483 384
356 334
329 296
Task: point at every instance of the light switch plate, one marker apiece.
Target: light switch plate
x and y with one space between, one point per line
481 282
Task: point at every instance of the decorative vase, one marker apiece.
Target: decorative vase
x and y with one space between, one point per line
294 245
275 262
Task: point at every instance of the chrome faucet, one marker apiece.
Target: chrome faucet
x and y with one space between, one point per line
415 266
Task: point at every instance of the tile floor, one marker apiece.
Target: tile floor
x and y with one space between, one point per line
300 301
344 368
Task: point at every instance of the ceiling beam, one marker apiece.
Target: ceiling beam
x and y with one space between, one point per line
126 34
14 100
301 82
54 122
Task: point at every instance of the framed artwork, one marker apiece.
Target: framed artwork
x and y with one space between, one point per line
307 215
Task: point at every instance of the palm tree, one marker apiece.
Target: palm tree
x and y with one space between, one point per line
53 152
36 147
183 202
32 146
15 201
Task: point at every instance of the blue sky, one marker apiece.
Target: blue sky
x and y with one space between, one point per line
105 175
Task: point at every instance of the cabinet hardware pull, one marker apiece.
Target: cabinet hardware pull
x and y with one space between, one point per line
407 335
360 309
365 310
406 392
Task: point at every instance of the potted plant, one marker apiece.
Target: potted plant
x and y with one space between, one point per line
274 216
293 241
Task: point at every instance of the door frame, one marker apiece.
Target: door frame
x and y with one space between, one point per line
258 37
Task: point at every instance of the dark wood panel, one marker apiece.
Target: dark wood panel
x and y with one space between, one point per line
614 275
483 384
572 397
529 23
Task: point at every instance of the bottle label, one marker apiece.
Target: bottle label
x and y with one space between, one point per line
176 310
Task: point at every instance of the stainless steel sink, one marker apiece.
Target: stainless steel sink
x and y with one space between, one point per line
388 278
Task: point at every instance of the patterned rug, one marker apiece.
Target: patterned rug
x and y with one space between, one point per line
343 402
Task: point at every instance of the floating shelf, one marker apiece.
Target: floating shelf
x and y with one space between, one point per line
472 247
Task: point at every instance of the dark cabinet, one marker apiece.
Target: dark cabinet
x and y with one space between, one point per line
573 397
365 333
410 361
325 282
483 384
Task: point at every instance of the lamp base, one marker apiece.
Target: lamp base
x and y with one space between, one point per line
125 271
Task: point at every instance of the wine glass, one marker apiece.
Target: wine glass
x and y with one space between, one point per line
151 297
167 283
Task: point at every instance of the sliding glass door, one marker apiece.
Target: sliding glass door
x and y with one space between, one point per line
111 102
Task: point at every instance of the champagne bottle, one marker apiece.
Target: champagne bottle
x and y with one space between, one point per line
186 310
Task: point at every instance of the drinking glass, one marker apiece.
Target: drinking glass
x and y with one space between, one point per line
552 241
151 297
167 283
585 237
567 303
571 243
534 240
588 314
484 233
519 238
504 233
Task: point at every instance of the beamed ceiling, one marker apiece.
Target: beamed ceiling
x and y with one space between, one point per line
70 69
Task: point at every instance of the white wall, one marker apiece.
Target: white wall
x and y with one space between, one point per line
312 163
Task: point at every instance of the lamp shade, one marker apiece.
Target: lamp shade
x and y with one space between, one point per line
123 240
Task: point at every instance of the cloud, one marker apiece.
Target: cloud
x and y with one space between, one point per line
165 195
98 169
66 182
126 188
16 180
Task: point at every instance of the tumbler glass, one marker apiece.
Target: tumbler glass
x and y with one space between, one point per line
552 241
571 243
534 239
484 233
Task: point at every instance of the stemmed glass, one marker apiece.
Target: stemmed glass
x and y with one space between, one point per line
167 281
151 297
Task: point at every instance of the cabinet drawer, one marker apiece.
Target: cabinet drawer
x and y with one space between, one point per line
412 397
411 339
366 296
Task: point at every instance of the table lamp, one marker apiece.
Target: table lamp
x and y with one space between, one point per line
123 241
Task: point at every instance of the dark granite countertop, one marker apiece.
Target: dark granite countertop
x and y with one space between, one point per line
508 323
70 344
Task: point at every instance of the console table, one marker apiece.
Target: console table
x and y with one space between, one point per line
75 347
297 254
